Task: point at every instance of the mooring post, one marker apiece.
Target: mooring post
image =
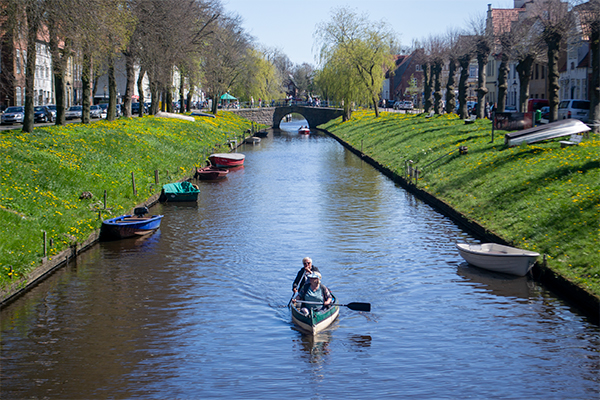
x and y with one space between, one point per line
156 176
104 199
45 249
133 184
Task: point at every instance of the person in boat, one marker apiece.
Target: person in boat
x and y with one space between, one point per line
314 291
307 268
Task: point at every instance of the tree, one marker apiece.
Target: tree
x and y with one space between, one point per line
223 59
465 51
261 79
483 41
556 21
453 49
360 44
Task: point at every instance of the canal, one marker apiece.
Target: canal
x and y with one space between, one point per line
197 310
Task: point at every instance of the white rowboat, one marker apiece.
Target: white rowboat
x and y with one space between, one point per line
498 258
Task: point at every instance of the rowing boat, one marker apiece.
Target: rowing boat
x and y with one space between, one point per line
226 160
498 258
126 226
316 320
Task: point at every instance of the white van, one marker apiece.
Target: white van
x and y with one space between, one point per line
576 109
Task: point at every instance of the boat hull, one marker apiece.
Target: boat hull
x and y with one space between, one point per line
227 160
315 322
498 258
304 131
126 226
179 192
211 173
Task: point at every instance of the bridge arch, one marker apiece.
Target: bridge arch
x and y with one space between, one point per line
314 115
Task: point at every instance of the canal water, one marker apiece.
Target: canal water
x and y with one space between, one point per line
197 310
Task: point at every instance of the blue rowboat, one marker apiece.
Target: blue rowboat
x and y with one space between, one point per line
126 226
316 320
179 191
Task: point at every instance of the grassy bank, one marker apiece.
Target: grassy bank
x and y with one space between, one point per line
43 175
538 197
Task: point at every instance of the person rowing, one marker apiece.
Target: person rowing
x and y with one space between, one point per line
313 294
307 268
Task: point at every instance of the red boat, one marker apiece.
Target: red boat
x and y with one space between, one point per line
226 160
304 130
211 173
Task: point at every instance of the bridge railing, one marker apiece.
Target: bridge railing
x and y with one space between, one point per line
283 103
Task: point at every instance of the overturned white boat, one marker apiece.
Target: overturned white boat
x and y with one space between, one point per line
498 258
565 127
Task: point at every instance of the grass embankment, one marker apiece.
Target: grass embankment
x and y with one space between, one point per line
43 174
538 197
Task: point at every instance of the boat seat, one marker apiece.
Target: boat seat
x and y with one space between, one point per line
573 141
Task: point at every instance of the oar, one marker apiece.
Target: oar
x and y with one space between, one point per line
293 294
353 306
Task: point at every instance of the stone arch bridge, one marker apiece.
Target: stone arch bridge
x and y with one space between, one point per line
273 115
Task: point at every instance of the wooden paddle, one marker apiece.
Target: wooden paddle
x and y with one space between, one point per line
303 275
353 306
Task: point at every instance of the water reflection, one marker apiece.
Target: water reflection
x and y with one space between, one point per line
519 287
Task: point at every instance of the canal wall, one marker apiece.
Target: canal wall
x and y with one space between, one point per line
577 296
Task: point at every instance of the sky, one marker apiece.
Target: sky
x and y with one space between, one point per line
289 24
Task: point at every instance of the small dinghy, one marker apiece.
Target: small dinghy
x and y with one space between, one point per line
226 160
179 191
304 130
211 173
126 226
498 258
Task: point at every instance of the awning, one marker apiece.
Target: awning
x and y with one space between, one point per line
227 96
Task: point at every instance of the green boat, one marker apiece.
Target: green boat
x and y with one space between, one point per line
315 321
179 191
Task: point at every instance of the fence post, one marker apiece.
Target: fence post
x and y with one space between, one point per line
133 184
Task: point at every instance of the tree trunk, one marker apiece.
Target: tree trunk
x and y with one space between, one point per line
552 40
86 73
437 94
181 96
111 113
481 80
188 105
169 100
214 106
155 93
524 71
426 88
129 88
32 28
450 96
463 110
374 101
59 66
141 98
595 81
502 84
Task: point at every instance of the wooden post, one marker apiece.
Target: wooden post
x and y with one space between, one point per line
105 197
45 249
156 176
133 184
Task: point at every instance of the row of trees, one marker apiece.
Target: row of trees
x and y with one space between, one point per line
355 53
207 46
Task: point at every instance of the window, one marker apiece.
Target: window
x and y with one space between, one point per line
537 71
18 96
572 65
543 71
18 61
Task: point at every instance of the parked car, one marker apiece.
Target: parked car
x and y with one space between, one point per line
95 111
104 109
13 115
510 109
52 108
545 112
42 114
74 112
577 109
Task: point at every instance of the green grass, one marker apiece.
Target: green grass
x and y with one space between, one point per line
538 197
43 174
